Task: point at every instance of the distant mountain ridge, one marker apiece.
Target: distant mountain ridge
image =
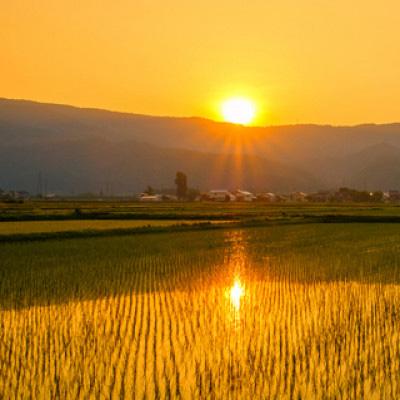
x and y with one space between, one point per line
81 150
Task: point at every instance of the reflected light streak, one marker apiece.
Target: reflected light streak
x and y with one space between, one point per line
235 289
236 293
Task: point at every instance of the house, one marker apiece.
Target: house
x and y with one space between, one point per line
242 195
268 197
169 197
298 196
320 197
352 195
14 196
394 195
220 195
149 198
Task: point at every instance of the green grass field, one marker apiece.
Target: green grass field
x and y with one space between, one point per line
299 311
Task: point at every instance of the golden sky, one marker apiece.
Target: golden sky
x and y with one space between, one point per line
321 61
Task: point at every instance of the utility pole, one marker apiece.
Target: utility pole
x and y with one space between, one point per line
40 185
45 187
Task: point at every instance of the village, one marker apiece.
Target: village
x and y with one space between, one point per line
341 195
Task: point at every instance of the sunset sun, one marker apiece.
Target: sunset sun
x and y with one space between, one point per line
238 111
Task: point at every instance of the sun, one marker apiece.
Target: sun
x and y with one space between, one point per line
238 110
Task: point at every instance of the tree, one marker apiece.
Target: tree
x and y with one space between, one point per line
150 191
192 194
377 196
181 185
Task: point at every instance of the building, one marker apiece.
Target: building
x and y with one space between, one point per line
242 195
268 197
298 196
394 195
14 196
149 198
169 197
220 195
320 197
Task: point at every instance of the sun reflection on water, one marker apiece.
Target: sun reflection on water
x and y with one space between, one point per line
236 293
235 270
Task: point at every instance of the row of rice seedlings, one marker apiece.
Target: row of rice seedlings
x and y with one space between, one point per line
175 332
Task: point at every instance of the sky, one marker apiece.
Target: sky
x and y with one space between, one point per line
310 61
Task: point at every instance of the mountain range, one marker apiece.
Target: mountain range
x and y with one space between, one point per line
76 150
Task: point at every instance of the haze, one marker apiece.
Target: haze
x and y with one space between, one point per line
314 61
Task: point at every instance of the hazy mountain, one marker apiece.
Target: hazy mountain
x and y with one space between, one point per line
92 150
377 166
100 165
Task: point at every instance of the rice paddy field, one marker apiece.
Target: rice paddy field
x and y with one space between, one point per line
30 227
306 311
118 209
